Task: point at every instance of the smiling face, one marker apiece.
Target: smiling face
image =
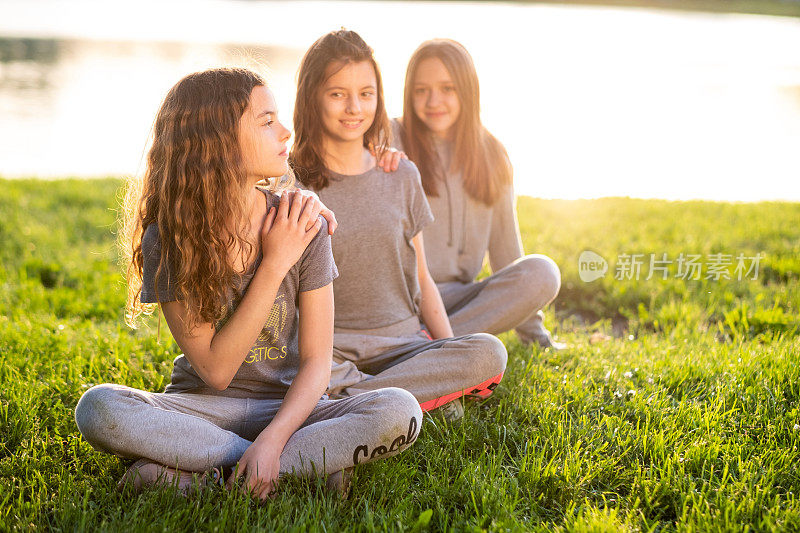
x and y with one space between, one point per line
348 100
436 101
262 138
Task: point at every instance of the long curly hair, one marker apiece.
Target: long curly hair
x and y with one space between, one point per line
194 188
307 157
477 154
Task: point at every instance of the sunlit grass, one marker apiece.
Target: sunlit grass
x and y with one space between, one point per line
684 417
787 8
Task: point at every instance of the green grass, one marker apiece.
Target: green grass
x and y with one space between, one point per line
787 8
685 418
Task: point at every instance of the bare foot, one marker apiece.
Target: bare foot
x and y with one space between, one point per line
145 473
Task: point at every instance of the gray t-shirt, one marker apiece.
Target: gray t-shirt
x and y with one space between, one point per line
378 213
466 228
272 362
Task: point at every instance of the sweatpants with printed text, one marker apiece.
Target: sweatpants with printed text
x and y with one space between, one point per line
196 432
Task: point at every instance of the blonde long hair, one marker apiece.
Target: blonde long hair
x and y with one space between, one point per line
477 154
193 188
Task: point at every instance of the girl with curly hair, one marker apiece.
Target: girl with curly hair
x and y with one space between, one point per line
244 279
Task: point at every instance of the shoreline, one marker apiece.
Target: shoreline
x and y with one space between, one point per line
775 8
79 180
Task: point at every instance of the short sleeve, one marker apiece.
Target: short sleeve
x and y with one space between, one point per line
317 267
420 214
151 253
397 134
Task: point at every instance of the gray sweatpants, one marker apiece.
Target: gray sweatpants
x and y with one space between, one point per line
510 298
195 432
434 371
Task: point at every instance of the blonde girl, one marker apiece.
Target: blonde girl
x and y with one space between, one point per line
467 179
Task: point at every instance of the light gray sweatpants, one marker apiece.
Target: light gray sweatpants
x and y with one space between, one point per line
510 298
195 432
434 371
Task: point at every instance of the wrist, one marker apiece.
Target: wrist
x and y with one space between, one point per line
272 438
271 269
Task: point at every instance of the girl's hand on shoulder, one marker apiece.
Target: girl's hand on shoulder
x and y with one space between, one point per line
317 209
284 235
389 160
260 466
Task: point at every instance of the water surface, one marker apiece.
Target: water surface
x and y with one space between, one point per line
589 101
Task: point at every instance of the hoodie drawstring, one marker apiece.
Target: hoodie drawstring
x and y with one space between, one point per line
463 243
449 211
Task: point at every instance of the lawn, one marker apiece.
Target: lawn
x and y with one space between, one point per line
787 8
674 408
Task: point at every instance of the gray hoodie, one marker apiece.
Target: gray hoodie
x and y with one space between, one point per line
465 229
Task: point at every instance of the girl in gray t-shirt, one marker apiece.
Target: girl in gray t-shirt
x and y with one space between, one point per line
384 293
468 182
243 278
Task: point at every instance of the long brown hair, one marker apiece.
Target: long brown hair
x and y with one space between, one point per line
193 189
307 157
481 158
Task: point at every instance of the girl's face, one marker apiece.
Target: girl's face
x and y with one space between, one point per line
436 102
349 100
262 138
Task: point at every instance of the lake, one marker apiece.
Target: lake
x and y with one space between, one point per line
589 101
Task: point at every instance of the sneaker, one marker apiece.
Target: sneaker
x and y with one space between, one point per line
547 341
540 335
451 411
339 482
